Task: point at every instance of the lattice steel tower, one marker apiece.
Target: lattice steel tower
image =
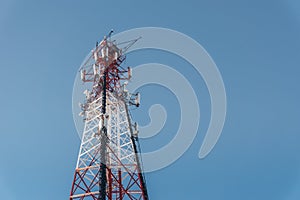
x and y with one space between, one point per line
108 165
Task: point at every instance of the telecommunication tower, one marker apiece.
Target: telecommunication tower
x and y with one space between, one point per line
108 166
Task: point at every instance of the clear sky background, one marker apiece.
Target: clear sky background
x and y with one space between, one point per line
256 45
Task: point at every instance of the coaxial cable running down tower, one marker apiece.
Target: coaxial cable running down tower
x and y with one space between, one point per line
108 165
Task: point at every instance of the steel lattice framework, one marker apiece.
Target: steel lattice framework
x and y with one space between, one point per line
108 165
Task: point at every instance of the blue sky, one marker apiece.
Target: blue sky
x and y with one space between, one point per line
255 44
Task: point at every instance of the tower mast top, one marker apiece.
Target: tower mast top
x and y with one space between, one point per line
107 57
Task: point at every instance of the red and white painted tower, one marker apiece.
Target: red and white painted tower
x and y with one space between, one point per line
108 165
